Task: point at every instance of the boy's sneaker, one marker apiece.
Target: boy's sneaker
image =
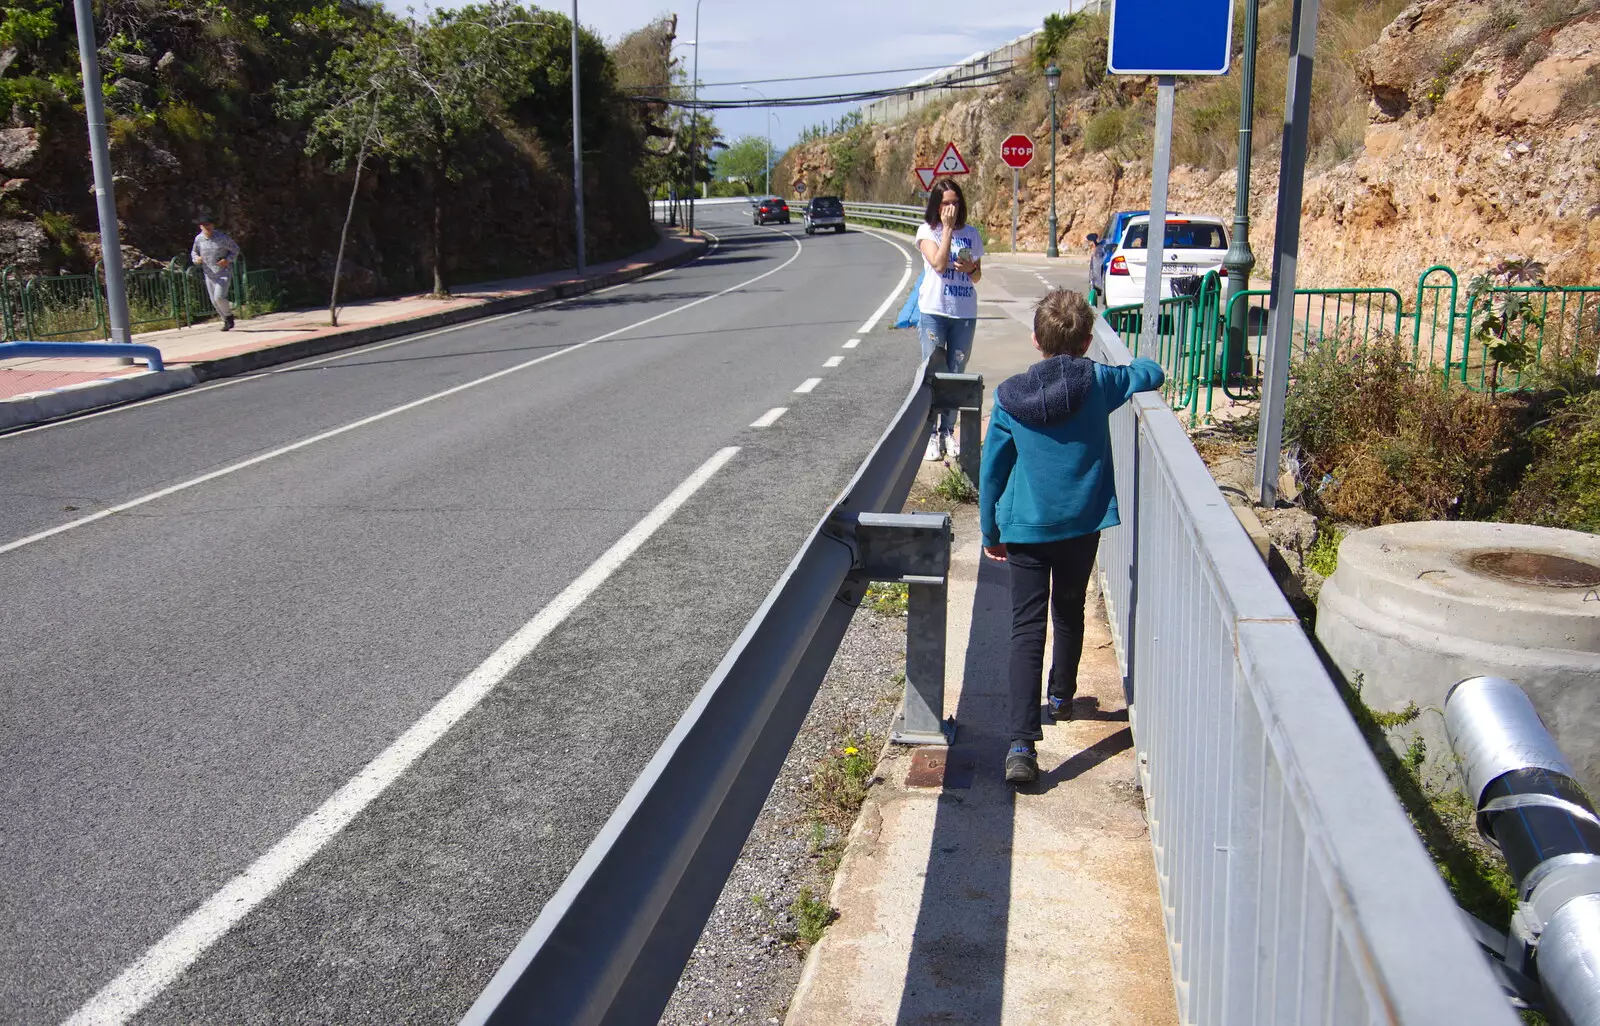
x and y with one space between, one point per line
1022 763
1060 708
934 452
227 323
952 443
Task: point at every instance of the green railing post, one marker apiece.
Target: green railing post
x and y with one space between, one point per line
7 316
1450 323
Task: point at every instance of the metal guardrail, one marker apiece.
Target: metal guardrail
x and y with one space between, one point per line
610 945
898 214
1293 887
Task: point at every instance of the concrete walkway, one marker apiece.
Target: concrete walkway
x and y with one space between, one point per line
964 901
359 321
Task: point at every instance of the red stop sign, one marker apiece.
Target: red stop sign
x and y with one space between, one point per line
1017 150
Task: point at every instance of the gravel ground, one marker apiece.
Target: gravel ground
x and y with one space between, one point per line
744 970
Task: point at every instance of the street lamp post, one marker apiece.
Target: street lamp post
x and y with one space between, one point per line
100 158
1240 260
577 143
1052 81
694 117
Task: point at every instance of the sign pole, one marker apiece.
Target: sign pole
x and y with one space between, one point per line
1016 187
1286 248
1156 233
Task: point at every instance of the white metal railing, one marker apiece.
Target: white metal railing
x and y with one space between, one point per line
1294 889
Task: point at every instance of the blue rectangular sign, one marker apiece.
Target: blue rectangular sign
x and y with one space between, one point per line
1170 37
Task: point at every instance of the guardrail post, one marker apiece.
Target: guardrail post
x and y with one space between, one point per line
911 549
963 393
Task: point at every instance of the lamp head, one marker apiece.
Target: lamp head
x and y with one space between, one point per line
1052 78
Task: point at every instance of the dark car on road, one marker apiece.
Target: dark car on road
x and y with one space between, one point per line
771 209
823 212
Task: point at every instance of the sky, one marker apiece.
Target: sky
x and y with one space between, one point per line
758 39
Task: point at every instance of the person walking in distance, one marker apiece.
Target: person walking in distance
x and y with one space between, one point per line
215 252
1045 492
947 300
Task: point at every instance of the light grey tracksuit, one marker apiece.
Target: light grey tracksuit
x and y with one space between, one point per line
209 253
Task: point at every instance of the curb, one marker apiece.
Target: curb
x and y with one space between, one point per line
65 402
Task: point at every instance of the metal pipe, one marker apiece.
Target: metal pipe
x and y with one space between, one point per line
1532 809
105 199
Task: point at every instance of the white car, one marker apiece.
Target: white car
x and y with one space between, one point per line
1193 245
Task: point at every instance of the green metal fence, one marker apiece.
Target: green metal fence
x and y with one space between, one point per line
73 307
1204 350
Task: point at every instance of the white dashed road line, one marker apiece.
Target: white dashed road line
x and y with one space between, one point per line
852 343
833 361
166 960
770 417
808 384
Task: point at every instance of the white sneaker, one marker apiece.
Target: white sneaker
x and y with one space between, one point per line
952 443
935 449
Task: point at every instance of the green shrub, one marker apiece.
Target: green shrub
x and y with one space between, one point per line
1110 128
811 916
1562 485
1383 443
887 598
955 486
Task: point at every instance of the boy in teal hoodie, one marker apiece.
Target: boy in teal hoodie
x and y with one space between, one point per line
1046 491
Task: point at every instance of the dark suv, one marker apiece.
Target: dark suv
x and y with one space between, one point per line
771 209
823 212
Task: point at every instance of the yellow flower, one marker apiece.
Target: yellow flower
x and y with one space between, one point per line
850 751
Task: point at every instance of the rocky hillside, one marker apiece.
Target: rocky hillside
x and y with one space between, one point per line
198 97
1459 132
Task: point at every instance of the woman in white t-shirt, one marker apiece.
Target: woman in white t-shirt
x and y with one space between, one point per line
947 302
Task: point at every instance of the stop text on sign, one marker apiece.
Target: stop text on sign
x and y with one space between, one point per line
1017 151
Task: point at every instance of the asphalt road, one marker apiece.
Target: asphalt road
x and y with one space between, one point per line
289 572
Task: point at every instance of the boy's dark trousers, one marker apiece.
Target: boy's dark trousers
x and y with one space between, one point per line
1056 573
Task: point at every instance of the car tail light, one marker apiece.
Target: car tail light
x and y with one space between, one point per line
1222 272
1119 265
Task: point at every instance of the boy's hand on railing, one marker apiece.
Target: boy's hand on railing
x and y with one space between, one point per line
996 552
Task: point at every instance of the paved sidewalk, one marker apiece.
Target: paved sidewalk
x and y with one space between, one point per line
964 901
277 337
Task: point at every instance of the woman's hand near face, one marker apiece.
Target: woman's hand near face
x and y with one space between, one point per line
947 215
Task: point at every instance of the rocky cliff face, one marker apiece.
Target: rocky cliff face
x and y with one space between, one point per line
1483 141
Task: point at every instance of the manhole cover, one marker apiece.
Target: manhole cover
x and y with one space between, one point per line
1540 569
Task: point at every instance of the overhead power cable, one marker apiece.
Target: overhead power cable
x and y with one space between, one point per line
972 81
811 78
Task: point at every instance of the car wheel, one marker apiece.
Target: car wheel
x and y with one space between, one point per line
810 230
840 229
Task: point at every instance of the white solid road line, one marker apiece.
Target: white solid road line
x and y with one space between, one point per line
364 421
166 960
852 343
808 384
358 350
894 295
770 417
833 361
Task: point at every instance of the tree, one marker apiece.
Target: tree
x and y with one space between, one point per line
413 93
745 160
